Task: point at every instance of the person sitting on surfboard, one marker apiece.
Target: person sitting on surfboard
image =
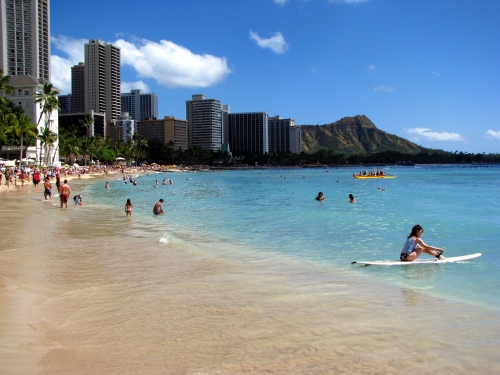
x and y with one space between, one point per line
414 246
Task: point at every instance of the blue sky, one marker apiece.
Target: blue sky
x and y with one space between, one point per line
425 70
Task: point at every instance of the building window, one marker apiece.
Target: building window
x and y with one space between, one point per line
26 105
26 92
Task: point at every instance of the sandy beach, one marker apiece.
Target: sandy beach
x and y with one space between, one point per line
86 290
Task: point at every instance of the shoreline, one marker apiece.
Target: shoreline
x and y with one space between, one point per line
318 318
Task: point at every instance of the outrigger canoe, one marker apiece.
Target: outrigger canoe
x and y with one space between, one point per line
366 177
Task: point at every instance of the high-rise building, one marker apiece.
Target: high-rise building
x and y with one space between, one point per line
166 130
25 38
204 122
102 79
140 106
128 126
295 139
65 103
248 133
25 87
279 134
78 88
225 123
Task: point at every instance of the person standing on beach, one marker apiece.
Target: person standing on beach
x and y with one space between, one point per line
128 207
58 181
158 209
47 192
64 193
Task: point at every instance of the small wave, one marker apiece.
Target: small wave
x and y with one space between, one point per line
165 240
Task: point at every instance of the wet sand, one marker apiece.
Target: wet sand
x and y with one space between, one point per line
89 291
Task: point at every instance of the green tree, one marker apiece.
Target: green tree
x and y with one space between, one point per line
86 122
22 127
5 88
47 99
47 139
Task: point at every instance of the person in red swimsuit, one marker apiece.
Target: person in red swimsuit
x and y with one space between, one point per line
64 192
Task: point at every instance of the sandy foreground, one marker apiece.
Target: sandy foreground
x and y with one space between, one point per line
76 299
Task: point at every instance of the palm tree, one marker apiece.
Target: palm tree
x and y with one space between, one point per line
22 127
47 100
4 85
7 120
70 147
86 122
47 139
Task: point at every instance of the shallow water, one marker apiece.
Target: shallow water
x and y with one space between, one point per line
244 274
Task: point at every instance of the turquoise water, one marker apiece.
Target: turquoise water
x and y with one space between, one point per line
275 211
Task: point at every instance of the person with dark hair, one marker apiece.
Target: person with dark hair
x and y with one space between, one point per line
128 207
320 197
351 198
414 246
158 209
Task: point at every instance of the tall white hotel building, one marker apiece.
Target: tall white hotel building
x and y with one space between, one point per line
25 38
25 57
102 79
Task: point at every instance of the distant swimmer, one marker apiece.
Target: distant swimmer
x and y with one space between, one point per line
320 197
128 207
381 188
158 209
170 181
351 198
414 246
107 185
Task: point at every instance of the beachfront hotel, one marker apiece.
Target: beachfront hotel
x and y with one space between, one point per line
102 79
25 86
284 136
248 133
140 106
166 130
204 117
78 88
25 38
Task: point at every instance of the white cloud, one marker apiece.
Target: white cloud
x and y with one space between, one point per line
493 134
170 65
347 1
280 2
430 135
372 67
137 85
276 43
436 73
60 67
384 88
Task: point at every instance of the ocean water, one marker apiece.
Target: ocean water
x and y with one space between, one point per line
274 212
247 274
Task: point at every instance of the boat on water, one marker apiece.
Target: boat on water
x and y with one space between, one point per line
370 176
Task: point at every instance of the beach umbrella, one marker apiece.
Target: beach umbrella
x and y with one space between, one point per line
9 163
76 165
120 158
27 160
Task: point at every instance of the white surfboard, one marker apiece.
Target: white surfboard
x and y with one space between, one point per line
418 261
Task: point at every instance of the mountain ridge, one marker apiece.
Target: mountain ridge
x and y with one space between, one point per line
357 134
